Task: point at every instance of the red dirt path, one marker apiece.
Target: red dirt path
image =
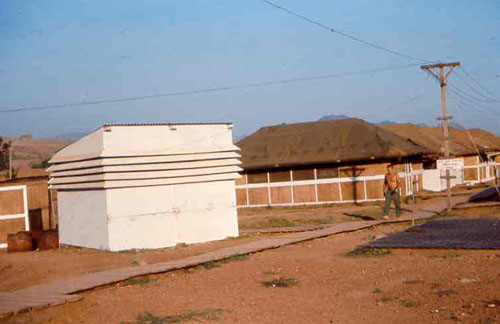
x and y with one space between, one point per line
332 288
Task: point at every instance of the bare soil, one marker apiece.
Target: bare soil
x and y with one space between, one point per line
21 270
259 218
28 150
311 282
475 212
25 269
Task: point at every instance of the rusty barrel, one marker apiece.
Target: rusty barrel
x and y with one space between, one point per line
49 239
37 235
19 242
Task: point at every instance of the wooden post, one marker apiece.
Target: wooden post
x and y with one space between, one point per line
444 117
412 199
10 162
246 189
268 189
316 184
52 214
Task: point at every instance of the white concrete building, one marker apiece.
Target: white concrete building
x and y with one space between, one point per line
147 186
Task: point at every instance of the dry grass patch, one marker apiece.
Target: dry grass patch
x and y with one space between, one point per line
411 303
139 281
367 252
207 314
280 282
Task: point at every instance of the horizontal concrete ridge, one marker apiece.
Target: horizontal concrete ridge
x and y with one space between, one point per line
64 290
146 167
137 160
110 184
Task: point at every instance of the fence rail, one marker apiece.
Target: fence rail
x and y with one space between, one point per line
361 190
7 217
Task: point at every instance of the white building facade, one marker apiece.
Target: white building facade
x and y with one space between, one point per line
128 187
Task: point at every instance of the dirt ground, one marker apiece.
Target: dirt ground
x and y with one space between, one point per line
326 286
21 270
258 218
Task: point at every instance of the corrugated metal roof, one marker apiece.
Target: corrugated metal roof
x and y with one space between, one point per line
165 124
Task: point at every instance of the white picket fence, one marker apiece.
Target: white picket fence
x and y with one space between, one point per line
410 175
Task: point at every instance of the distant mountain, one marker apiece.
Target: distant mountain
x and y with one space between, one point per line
334 117
386 122
456 126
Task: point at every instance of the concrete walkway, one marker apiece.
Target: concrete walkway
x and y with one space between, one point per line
64 290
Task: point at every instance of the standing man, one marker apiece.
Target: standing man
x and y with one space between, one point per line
392 183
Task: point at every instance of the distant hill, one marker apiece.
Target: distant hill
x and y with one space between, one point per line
391 122
334 117
386 122
27 150
456 126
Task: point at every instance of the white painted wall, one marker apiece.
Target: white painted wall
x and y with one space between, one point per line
82 219
432 179
212 218
163 216
150 186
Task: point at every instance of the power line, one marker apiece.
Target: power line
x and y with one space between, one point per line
481 160
462 98
354 38
471 96
473 89
478 83
207 90
469 104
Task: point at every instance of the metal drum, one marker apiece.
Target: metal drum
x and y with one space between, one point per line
48 240
19 242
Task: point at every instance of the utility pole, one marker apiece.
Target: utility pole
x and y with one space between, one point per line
10 162
441 76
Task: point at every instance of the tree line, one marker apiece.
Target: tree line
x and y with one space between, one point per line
4 154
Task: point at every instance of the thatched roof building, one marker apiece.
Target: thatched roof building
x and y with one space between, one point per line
431 138
312 143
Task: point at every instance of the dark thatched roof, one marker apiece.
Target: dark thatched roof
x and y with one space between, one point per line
320 142
431 138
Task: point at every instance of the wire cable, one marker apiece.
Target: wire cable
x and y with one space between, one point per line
206 90
474 144
471 96
488 109
478 83
470 100
354 38
473 89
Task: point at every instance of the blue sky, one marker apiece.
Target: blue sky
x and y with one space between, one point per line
54 52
